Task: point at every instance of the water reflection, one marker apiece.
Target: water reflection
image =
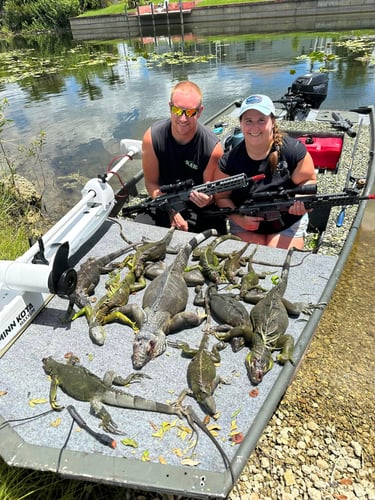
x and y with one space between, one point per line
88 96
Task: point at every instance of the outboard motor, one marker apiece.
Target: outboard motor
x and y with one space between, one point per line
313 87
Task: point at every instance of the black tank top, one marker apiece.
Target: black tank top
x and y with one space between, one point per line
237 161
179 162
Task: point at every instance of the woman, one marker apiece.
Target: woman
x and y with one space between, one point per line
283 160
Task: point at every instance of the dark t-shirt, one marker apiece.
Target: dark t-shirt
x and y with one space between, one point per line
237 161
181 162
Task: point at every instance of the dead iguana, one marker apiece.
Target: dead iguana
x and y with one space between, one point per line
265 332
88 276
151 251
81 384
113 306
164 303
232 264
201 372
209 262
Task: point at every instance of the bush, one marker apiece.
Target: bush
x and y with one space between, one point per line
40 14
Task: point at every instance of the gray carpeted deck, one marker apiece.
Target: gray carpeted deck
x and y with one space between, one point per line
23 378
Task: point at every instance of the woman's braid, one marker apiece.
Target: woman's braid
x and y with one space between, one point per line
274 156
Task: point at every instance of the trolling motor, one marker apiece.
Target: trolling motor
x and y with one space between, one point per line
39 276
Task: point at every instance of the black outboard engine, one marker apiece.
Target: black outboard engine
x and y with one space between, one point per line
306 92
313 87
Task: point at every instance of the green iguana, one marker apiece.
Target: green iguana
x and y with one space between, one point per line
201 372
81 384
265 332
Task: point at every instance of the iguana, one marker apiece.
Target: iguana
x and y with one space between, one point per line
88 276
265 332
232 263
209 262
164 302
250 280
151 251
201 372
113 306
81 384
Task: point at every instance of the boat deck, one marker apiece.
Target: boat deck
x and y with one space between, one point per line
36 444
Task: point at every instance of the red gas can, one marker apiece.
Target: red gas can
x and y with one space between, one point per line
325 151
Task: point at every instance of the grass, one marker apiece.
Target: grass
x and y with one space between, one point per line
119 8
13 229
25 484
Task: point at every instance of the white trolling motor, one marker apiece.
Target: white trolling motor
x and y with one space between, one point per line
40 276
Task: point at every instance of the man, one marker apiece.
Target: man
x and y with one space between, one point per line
180 148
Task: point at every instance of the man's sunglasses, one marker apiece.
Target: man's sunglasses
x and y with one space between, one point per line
189 113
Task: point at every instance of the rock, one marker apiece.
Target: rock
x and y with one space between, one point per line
289 478
357 448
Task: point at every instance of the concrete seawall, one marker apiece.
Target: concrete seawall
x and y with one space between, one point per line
260 17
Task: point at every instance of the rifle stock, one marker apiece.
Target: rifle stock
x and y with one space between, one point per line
343 124
178 194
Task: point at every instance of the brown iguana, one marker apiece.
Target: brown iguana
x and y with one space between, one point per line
164 302
81 384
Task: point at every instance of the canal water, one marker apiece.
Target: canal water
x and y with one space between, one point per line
86 97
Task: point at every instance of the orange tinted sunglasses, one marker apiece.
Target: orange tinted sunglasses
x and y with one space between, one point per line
189 113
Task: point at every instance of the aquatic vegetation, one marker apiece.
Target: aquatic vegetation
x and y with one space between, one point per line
363 48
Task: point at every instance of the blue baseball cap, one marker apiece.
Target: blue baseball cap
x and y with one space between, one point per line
261 103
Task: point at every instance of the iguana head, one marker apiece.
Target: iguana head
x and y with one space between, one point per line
147 346
48 365
258 364
209 405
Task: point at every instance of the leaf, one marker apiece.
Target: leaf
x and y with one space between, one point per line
233 425
56 422
177 452
190 462
254 392
145 456
37 401
3 393
237 438
346 480
154 426
162 460
159 433
214 427
236 412
129 442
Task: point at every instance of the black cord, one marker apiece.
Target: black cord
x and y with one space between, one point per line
25 419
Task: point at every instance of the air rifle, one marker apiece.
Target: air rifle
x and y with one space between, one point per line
343 124
270 204
176 195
